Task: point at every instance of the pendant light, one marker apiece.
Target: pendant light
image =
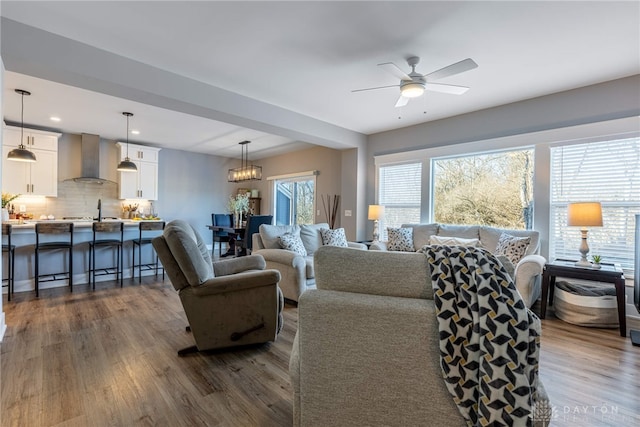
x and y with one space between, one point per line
21 154
246 171
127 165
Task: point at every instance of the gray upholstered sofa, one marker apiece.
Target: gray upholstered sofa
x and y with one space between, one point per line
366 352
297 271
528 271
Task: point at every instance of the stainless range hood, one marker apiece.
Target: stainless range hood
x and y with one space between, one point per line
90 156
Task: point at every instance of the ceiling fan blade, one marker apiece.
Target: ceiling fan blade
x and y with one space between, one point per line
402 101
450 70
452 89
374 88
392 68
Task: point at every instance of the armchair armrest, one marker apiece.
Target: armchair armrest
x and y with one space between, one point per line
283 256
237 282
528 276
238 265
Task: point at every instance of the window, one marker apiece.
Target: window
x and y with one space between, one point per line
294 201
606 172
399 192
493 189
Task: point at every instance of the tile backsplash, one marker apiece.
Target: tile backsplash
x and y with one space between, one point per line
79 199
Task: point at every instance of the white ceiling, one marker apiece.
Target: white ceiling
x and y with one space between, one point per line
306 57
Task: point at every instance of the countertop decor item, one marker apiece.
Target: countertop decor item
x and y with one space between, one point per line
127 165
21 154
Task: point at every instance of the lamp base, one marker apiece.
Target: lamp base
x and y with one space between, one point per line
583 263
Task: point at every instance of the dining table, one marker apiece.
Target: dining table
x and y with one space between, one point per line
238 231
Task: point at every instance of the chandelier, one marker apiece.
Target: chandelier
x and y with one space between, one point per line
246 171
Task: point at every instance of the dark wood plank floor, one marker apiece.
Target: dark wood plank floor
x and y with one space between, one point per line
108 358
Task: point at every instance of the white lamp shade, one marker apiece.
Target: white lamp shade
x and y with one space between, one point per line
376 212
584 214
412 90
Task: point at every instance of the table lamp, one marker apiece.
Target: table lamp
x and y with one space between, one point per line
376 213
584 214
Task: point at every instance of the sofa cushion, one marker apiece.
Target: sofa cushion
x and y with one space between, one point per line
465 231
512 247
489 237
335 237
270 233
454 241
311 237
400 239
293 243
422 233
190 252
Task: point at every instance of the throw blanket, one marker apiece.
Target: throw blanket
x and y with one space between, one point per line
489 339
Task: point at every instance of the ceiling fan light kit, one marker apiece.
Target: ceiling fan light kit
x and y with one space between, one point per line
414 84
21 154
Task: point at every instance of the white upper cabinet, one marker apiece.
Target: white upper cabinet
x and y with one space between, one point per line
142 184
35 179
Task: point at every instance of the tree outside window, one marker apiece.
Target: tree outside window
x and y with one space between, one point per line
494 189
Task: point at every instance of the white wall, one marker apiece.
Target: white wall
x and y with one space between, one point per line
571 113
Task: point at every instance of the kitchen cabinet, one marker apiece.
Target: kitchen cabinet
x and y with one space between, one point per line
142 184
34 179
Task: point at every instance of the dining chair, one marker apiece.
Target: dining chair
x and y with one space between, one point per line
222 220
253 226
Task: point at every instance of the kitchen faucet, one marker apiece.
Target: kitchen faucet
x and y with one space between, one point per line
99 210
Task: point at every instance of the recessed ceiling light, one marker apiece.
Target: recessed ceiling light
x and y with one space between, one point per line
54 119
135 132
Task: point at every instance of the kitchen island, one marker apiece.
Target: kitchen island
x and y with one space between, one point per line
24 238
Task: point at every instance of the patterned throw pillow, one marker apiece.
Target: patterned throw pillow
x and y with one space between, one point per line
454 241
400 239
292 242
512 247
335 237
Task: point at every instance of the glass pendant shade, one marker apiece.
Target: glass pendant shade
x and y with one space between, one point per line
21 154
127 165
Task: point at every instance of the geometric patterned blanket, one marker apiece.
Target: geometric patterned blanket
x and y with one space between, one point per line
489 339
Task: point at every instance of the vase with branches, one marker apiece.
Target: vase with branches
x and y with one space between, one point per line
238 205
330 207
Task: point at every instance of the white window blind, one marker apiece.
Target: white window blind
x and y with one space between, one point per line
399 190
606 172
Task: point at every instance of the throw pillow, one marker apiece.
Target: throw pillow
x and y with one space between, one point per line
335 237
292 242
454 241
400 239
512 247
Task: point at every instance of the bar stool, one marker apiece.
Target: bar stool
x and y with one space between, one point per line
10 250
145 238
101 228
55 229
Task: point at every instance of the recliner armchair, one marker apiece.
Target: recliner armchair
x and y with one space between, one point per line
228 303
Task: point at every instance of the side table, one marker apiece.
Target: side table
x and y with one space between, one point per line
608 273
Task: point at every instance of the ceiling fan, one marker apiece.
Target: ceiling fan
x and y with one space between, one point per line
414 84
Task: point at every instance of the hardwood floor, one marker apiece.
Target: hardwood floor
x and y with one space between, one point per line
108 358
